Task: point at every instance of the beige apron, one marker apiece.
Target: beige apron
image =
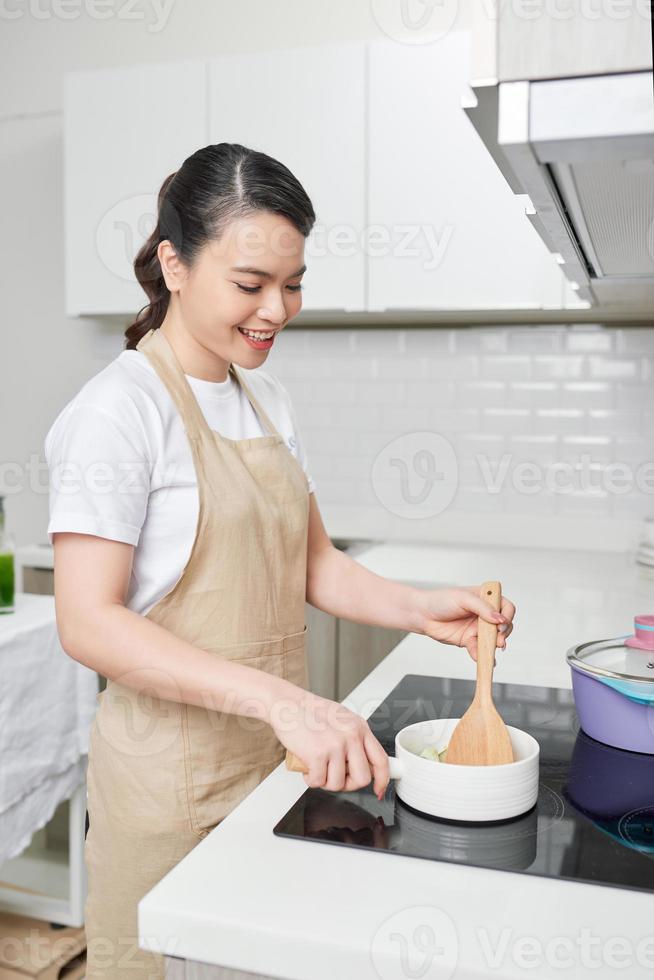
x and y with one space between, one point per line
163 773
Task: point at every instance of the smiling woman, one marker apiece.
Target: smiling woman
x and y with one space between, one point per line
184 582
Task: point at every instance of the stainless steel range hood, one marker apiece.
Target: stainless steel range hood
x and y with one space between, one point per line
582 149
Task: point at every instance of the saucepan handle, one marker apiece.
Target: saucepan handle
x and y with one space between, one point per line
395 767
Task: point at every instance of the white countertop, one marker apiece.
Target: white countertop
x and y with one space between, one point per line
302 910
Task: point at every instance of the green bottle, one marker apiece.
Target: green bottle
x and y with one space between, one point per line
7 577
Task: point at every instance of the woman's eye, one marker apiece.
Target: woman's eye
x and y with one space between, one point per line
255 289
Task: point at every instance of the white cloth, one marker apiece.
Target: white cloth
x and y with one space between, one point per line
22 819
120 463
47 705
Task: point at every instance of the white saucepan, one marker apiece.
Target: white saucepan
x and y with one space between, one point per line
461 792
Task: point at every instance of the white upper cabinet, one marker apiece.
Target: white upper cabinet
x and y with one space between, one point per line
450 232
125 130
306 107
412 211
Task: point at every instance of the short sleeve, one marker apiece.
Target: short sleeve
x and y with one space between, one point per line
99 472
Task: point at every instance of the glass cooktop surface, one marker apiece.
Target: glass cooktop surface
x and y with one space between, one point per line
593 820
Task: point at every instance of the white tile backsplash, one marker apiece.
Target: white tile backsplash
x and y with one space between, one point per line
543 396
394 392
634 340
532 394
589 341
615 367
476 341
548 340
512 367
367 416
506 420
600 449
429 342
451 422
634 448
456 367
615 423
559 421
633 396
587 395
562 368
377 343
437 393
396 368
486 393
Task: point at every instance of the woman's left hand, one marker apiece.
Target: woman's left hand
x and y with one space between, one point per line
450 616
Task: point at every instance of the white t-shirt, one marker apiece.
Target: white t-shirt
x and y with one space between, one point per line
121 467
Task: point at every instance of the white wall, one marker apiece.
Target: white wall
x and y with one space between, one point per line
504 386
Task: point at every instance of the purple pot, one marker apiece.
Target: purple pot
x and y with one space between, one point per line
610 717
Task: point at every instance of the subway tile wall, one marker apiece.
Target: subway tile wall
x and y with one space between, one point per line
569 408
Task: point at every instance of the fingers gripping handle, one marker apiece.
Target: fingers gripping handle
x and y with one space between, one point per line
295 764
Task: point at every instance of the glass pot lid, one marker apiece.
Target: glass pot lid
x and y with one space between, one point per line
613 658
627 669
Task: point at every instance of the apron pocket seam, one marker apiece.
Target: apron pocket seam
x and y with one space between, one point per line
188 772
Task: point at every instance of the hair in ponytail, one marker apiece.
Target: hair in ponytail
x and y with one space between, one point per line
214 186
148 272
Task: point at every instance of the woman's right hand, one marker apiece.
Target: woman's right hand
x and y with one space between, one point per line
336 744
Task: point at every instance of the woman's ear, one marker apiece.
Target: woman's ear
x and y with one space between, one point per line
172 267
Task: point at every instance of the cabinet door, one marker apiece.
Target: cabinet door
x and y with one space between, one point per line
305 107
456 236
125 130
321 651
360 649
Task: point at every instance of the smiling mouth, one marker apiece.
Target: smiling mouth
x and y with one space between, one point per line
257 334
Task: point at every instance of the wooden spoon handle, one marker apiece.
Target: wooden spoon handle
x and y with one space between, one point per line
487 642
295 764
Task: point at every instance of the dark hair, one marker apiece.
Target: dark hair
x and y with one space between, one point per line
214 186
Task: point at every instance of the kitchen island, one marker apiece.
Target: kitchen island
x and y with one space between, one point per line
277 907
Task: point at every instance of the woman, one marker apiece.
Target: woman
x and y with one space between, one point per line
182 577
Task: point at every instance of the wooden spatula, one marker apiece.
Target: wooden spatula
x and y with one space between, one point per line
481 738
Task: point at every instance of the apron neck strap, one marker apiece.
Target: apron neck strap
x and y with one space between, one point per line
160 353
256 405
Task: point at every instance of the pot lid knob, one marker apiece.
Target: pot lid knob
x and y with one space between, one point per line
644 633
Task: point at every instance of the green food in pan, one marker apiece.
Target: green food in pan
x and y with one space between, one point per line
431 752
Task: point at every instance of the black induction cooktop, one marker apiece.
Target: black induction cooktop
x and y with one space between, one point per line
593 820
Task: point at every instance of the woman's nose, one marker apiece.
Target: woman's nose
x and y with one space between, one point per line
276 314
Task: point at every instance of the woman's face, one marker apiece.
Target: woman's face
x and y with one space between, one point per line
249 280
